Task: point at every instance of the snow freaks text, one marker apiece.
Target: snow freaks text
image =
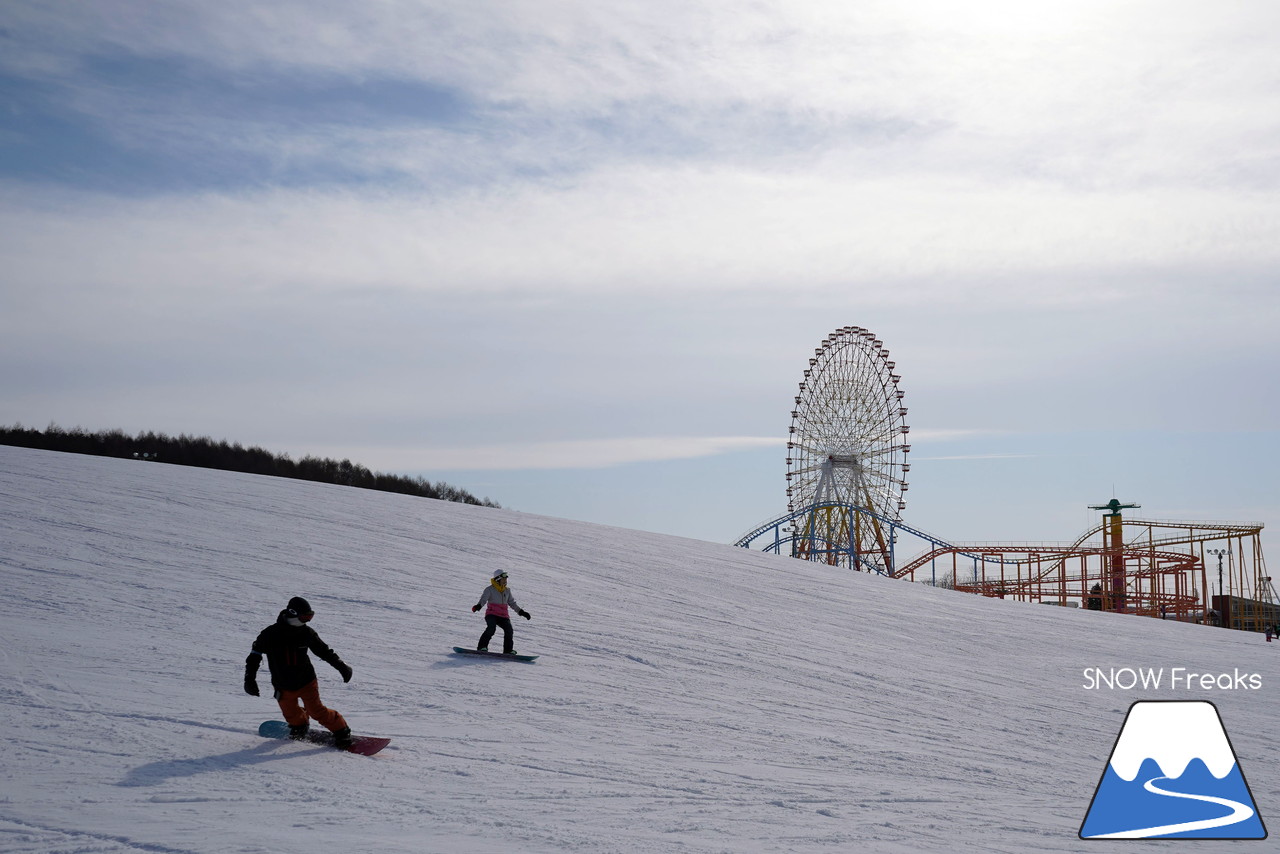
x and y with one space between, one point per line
1171 679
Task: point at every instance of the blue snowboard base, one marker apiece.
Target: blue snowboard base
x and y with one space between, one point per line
460 650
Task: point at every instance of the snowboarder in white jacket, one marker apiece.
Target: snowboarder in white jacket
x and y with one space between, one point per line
498 604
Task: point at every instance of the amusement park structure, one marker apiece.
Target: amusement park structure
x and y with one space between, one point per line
846 479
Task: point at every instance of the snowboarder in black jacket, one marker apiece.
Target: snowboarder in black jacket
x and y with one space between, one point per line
285 644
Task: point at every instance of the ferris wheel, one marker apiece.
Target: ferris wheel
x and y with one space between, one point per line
847 453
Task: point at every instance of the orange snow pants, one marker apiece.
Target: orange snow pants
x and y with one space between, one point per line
311 708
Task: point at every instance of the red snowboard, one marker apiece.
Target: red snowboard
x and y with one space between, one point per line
365 745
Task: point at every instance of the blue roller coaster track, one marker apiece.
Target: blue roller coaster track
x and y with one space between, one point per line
771 537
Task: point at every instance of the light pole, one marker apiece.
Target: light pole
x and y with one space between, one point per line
1219 553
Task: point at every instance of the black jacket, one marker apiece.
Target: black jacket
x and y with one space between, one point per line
285 647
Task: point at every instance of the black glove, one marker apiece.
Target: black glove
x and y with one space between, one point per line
344 670
475 608
250 674
524 614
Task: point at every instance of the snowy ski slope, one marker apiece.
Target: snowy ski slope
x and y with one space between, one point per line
690 697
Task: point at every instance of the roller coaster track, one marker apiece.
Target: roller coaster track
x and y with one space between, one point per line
1155 551
1193 533
1037 553
893 525
1199 532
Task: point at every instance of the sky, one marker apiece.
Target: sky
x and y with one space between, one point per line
574 258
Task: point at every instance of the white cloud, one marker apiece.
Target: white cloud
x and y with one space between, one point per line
666 229
976 457
583 453
942 434
567 454
1093 93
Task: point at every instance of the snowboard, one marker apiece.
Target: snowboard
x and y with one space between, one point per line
365 745
513 656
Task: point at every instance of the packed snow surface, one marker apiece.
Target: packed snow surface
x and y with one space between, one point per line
690 696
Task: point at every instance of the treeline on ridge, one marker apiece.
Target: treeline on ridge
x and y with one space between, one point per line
203 452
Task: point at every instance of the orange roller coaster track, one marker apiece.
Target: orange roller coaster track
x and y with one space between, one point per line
1151 568
1155 583
1136 566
